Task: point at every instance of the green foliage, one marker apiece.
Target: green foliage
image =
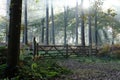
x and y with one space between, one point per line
42 69
37 1
3 50
25 53
3 54
2 67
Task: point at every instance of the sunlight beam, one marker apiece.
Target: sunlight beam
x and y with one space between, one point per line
86 4
110 4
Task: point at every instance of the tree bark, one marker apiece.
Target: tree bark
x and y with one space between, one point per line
25 41
8 18
90 30
82 25
76 16
96 31
47 22
42 33
14 33
65 25
53 28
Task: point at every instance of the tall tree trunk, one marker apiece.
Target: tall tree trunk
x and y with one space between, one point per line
25 41
90 34
96 31
8 17
99 39
53 28
14 38
113 36
42 34
82 25
65 24
76 16
47 22
105 36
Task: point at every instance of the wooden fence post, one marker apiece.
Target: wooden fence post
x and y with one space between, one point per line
37 49
66 50
90 50
34 47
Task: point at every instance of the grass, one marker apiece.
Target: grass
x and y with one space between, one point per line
94 59
91 59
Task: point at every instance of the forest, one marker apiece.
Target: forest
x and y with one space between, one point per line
59 40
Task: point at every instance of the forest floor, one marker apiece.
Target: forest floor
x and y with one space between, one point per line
91 70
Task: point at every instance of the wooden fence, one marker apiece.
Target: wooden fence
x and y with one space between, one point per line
62 50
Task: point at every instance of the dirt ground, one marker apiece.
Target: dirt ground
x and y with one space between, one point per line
91 71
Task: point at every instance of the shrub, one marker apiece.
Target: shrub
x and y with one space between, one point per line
115 50
41 70
3 51
104 51
3 54
112 51
116 54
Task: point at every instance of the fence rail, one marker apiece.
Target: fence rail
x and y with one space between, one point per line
62 50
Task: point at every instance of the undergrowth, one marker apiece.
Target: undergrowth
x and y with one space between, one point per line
42 69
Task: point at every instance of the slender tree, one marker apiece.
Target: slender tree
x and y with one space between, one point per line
89 23
82 25
53 28
96 31
76 16
25 41
42 34
65 24
14 37
7 14
99 39
47 22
